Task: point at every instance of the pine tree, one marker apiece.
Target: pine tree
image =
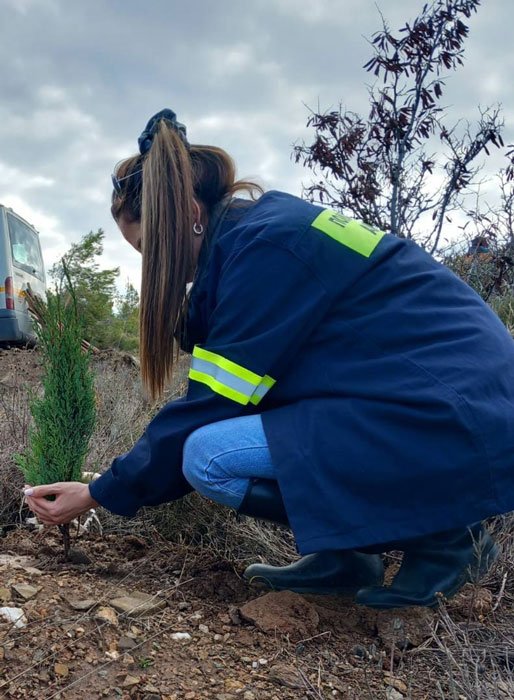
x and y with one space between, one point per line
94 288
64 415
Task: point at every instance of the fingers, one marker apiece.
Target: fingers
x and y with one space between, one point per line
71 499
45 490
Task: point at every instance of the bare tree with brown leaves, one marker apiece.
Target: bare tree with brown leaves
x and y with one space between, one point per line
384 169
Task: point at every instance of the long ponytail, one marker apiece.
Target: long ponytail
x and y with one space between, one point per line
166 206
158 190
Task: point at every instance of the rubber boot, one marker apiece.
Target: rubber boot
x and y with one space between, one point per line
341 572
432 566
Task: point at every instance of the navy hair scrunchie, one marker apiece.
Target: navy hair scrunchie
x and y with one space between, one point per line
169 116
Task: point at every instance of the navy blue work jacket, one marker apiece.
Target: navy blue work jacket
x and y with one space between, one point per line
385 384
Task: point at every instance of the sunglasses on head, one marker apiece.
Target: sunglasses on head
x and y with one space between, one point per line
117 180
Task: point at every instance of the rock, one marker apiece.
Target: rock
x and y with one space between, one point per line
5 595
86 604
138 605
11 561
14 615
26 591
130 681
181 636
126 643
396 683
113 655
249 695
232 684
107 615
61 670
234 616
203 629
284 612
149 688
404 630
285 675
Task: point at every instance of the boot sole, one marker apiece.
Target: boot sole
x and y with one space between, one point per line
346 592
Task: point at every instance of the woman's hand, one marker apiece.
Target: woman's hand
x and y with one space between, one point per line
72 498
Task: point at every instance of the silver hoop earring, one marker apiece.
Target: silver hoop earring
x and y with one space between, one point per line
197 229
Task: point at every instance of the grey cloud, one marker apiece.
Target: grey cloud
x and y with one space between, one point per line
79 80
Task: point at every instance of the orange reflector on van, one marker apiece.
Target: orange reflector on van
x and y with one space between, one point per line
9 293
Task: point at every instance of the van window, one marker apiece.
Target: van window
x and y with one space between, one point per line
25 249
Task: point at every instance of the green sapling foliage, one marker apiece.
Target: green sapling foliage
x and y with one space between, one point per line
64 415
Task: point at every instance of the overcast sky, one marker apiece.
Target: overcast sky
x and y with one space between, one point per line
79 79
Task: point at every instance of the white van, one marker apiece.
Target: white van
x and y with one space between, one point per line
21 266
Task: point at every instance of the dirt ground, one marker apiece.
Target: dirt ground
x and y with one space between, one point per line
133 615
237 642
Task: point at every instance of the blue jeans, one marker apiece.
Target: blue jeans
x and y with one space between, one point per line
220 459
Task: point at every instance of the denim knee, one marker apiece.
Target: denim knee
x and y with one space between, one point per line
195 460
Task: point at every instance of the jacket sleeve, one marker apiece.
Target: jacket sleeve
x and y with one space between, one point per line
268 300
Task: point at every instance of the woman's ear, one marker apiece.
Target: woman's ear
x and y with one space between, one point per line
197 211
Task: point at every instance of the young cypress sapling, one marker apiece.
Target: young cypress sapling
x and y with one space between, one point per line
64 415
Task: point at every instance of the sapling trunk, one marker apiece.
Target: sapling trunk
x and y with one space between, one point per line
64 415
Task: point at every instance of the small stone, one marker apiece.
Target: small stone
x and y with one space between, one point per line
218 637
285 675
396 683
26 591
183 605
137 605
234 616
113 655
249 695
181 636
5 595
126 643
233 684
61 670
149 688
16 616
204 629
130 681
263 662
107 615
80 605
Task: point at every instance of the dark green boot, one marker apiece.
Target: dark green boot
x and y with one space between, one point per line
433 565
331 572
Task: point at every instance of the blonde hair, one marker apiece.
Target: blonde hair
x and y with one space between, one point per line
158 190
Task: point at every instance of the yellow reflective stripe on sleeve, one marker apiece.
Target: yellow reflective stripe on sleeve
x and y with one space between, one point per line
227 378
218 387
228 365
359 237
262 389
